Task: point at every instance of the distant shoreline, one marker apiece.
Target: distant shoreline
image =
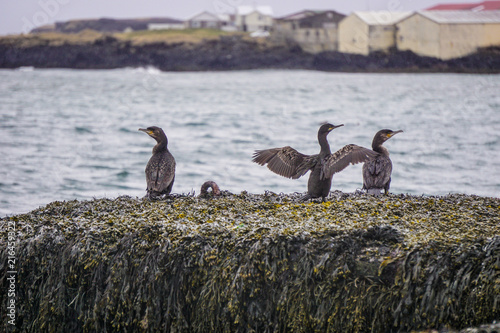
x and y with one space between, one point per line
207 51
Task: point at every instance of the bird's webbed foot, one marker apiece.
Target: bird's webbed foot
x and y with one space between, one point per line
306 197
156 196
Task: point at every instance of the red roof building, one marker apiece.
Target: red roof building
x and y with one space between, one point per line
476 7
488 5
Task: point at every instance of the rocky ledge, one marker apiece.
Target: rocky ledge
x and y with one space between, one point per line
227 52
262 263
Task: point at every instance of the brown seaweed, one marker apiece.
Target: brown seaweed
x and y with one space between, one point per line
261 263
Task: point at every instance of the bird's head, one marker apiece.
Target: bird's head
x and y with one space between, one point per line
154 132
327 128
386 134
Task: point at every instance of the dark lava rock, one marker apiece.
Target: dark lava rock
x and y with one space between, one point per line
225 53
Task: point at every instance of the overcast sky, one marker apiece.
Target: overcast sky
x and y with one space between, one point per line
17 16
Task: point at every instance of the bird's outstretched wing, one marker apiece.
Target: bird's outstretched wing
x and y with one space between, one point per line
350 154
377 172
286 161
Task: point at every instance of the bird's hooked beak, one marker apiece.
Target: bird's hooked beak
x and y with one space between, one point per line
145 130
334 127
394 133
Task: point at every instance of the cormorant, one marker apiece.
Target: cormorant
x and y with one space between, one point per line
289 163
209 184
377 172
160 171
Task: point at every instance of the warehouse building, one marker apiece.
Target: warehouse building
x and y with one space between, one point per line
448 34
367 32
313 31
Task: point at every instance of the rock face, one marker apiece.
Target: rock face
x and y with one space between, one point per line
224 53
260 263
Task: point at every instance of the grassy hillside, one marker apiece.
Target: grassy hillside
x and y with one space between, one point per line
174 36
136 37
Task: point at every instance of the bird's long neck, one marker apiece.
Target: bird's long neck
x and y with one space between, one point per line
161 145
377 146
325 146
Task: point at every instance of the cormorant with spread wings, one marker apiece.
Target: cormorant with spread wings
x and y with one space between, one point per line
290 163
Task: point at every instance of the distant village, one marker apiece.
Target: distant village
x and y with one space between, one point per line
444 31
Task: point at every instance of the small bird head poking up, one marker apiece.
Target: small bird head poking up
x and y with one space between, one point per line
154 132
327 128
383 135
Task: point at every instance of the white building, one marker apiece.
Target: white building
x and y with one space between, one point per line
166 26
448 34
367 32
205 20
254 18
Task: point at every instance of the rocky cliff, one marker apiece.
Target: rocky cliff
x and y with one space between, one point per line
227 52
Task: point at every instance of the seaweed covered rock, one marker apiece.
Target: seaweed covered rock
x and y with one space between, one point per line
262 263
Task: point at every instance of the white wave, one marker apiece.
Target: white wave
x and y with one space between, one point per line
26 69
148 70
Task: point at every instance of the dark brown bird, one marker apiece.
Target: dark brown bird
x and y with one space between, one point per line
289 163
160 171
209 184
377 172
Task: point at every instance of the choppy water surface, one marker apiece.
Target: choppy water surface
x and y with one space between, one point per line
72 134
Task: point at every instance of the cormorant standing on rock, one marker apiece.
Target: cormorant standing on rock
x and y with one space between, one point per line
377 172
209 184
289 163
160 171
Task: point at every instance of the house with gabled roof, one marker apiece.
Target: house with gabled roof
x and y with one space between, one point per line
254 18
312 30
367 32
475 7
448 34
205 20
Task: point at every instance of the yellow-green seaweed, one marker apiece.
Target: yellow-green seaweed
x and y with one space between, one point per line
257 263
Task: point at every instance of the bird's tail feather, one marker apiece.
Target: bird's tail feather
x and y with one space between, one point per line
374 191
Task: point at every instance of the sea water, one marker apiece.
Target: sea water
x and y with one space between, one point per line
73 134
